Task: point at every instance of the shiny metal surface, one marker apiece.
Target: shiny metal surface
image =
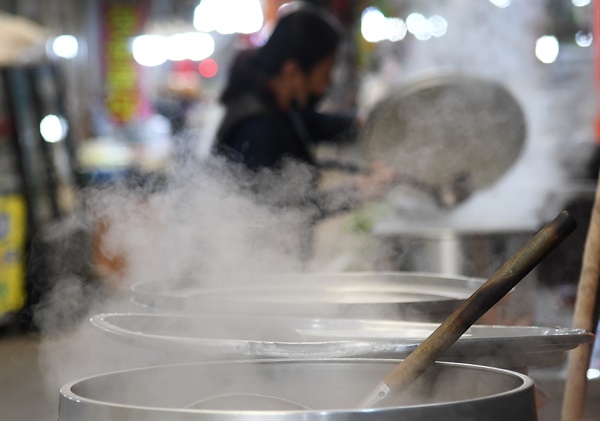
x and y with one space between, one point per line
439 125
432 246
201 337
407 296
468 248
331 387
247 402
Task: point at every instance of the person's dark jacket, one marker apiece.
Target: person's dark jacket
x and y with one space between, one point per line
260 136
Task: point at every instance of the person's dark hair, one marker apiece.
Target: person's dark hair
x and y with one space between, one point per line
306 34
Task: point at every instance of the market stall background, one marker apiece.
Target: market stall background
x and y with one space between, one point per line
83 105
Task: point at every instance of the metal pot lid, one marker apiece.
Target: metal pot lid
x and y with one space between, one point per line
244 336
438 126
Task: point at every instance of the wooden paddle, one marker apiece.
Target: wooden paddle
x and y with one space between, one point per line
587 290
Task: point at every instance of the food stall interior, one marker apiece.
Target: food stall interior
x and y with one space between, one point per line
140 277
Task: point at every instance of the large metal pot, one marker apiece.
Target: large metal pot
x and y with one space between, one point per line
467 249
331 388
407 296
194 338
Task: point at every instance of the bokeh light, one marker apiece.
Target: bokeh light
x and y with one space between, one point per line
229 17
501 3
65 46
53 128
150 50
546 49
584 38
208 68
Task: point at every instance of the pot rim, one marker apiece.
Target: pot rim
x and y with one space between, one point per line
67 393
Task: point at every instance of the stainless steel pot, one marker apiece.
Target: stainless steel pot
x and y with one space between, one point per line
407 296
475 250
331 388
187 338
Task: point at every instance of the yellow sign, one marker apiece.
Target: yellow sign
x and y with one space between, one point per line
122 22
13 226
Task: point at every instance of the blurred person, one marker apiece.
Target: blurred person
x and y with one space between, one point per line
271 122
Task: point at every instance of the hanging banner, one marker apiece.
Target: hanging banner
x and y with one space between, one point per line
122 21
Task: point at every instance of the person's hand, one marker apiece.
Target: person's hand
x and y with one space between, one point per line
377 182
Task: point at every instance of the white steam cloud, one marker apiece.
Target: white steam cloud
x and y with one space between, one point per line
199 226
201 223
481 43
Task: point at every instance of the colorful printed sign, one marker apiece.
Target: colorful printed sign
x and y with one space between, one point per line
123 20
13 225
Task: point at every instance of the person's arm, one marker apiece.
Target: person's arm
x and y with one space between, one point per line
337 200
336 128
366 187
